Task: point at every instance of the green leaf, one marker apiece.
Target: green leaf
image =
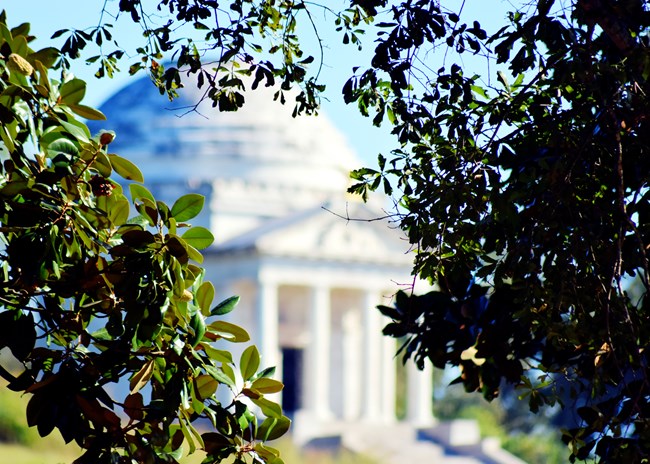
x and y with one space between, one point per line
187 206
198 237
249 362
204 296
142 377
138 191
87 112
126 168
221 374
102 165
264 385
229 331
119 212
214 354
273 428
188 437
268 408
479 90
47 56
225 306
73 91
77 129
194 254
62 145
205 386
198 326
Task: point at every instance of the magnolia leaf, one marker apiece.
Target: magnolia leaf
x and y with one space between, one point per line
126 169
198 237
73 91
249 362
119 212
268 408
87 112
142 377
225 306
198 326
62 145
188 437
77 129
138 191
214 354
204 296
229 331
221 375
273 428
264 385
103 165
134 406
46 56
187 206
205 386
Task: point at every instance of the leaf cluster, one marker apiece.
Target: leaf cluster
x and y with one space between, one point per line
526 201
98 290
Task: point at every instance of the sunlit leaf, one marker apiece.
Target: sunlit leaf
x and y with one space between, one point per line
205 386
126 168
198 237
266 386
225 306
72 91
204 296
187 206
229 331
142 377
87 112
249 362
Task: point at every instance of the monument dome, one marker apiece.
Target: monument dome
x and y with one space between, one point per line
260 143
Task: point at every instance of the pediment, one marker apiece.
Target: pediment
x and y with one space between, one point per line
347 233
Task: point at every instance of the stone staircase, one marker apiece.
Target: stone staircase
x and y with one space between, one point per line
453 442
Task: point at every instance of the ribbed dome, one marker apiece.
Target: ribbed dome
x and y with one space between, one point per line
260 143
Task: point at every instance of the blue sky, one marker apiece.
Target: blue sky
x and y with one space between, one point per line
47 17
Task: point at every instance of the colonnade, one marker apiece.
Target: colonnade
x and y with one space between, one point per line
368 375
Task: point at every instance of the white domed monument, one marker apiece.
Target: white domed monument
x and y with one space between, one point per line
309 280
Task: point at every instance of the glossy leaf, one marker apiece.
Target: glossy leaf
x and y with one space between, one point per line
142 377
225 306
249 362
229 331
198 237
87 112
72 91
126 168
138 191
204 296
268 408
205 386
187 207
266 386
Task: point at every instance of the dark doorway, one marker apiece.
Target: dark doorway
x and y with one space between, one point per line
292 366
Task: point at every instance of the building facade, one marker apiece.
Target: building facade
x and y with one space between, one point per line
309 262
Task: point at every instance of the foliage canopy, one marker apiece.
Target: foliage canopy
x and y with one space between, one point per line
524 194
93 295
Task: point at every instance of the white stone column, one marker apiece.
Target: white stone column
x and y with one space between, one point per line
420 394
372 354
352 338
317 390
389 348
267 326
